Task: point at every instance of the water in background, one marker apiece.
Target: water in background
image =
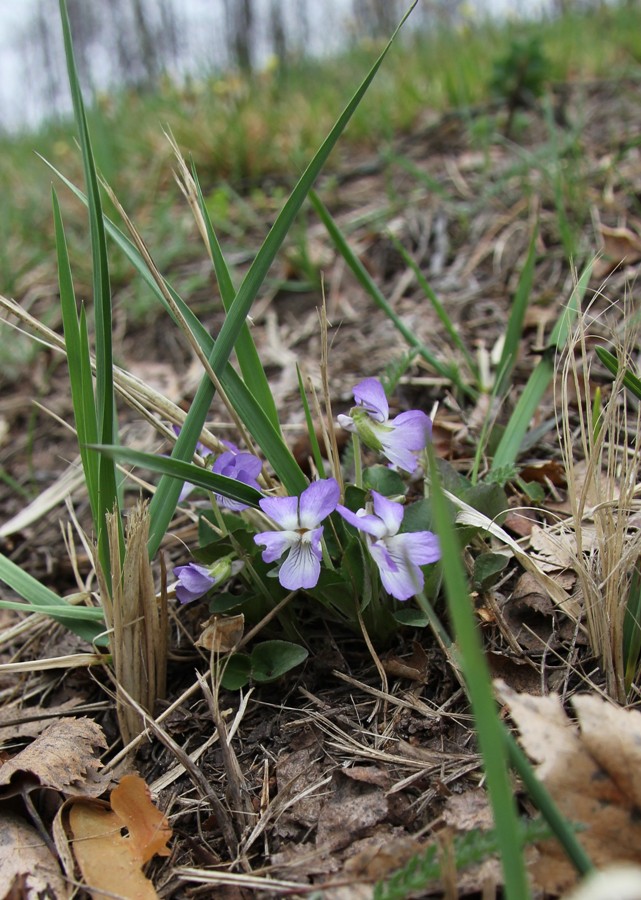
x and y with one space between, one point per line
134 41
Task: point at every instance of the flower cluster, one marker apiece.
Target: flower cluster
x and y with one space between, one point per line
297 538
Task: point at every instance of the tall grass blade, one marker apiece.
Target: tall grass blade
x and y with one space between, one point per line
248 359
41 599
515 322
78 360
166 496
249 409
529 401
363 277
630 380
184 471
479 688
438 307
105 398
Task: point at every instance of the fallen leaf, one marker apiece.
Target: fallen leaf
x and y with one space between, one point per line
27 722
468 810
148 828
620 245
221 633
350 811
414 667
111 861
28 870
591 769
61 758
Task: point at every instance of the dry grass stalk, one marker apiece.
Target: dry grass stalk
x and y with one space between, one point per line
603 463
137 620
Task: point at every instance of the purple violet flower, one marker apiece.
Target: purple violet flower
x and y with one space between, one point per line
300 537
194 580
399 439
241 466
398 556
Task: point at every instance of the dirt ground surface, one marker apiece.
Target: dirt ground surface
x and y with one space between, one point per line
343 770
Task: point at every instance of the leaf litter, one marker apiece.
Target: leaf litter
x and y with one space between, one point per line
343 780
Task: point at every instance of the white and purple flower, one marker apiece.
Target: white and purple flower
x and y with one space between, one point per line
398 556
399 439
194 581
300 536
241 466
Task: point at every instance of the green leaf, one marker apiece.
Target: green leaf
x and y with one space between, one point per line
271 659
487 568
41 599
237 672
183 471
384 480
411 618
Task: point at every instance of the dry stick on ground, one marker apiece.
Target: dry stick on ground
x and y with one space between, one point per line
238 792
202 785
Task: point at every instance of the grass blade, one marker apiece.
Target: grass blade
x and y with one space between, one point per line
630 380
437 306
250 410
245 348
166 496
41 599
104 397
515 323
79 365
363 277
184 471
538 382
479 687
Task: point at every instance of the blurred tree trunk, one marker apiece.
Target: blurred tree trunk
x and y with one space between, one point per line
376 18
239 18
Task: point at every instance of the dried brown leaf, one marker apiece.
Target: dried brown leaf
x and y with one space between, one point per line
591 770
61 758
27 867
620 245
221 633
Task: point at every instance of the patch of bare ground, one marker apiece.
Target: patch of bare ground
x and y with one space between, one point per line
328 780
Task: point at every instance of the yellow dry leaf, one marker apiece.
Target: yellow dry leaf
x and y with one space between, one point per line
592 771
148 828
110 861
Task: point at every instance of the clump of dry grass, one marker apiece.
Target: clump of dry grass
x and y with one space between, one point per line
603 463
137 619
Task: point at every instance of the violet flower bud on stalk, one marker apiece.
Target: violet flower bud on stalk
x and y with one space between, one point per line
194 580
